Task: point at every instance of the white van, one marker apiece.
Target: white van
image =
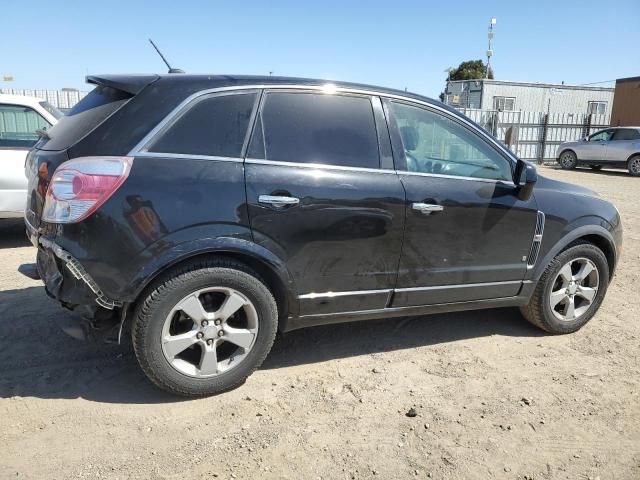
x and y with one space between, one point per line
20 117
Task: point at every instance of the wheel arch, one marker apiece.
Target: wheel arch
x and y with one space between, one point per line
568 149
594 234
636 154
269 267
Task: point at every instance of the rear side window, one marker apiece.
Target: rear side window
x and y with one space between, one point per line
18 126
215 126
86 115
626 134
317 128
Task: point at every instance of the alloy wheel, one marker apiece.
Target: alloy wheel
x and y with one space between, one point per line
567 160
209 332
634 166
574 289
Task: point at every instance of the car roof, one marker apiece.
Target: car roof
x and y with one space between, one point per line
134 83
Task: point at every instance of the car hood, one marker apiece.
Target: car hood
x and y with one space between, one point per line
565 187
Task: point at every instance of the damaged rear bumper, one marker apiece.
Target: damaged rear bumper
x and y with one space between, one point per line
76 270
96 317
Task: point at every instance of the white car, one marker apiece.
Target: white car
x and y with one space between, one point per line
20 117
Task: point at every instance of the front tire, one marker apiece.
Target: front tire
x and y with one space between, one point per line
634 166
204 328
568 160
570 290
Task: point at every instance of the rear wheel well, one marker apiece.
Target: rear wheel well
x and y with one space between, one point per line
266 274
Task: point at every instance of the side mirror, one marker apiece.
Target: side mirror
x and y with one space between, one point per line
525 178
585 139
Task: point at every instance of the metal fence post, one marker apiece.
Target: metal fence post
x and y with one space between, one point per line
543 145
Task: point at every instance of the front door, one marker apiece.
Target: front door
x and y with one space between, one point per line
467 235
596 147
320 199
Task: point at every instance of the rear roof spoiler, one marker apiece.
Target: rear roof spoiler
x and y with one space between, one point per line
132 84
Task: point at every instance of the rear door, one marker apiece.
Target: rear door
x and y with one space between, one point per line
624 143
323 195
18 125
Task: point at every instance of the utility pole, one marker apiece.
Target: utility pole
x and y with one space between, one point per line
489 50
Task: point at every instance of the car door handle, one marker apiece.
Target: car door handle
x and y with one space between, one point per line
427 208
278 201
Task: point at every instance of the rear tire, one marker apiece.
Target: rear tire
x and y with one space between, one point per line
634 166
595 167
204 327
568 160
556 298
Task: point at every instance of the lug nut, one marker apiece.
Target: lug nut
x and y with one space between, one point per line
199 335
210 342
218 322
205 323
221 333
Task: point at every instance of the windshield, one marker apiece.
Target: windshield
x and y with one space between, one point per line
57 114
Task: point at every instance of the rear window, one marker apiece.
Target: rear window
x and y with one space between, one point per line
317 128
626 134
215 126
86 115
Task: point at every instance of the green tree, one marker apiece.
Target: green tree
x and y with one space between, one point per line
469 70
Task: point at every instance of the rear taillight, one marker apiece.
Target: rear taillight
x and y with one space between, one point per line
79 186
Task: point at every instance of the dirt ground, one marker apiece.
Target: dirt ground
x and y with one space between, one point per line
495 397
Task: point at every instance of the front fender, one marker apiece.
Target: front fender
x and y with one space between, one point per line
582 227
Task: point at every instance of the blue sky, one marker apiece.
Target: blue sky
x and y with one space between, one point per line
54 44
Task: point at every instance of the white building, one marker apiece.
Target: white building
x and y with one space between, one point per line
528 97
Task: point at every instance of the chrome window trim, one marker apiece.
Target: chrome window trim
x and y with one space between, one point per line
315 166
456 177
191 157
327 88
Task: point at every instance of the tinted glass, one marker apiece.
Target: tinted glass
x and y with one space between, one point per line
626 134
433 143
214 126
18 126
604 135
320 128
85 115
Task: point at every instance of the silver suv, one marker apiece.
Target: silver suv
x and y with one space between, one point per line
617 147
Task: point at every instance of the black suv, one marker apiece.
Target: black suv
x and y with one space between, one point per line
205 213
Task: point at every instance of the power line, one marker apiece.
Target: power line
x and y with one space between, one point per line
597 83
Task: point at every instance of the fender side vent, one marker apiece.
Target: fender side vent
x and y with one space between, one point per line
537 241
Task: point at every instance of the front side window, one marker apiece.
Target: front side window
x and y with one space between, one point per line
434 143
626 134
317 128
214 126
18 126
603 136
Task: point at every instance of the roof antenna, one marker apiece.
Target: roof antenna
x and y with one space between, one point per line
171 70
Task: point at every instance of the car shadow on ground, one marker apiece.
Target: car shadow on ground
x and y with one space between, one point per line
12 233
38 360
